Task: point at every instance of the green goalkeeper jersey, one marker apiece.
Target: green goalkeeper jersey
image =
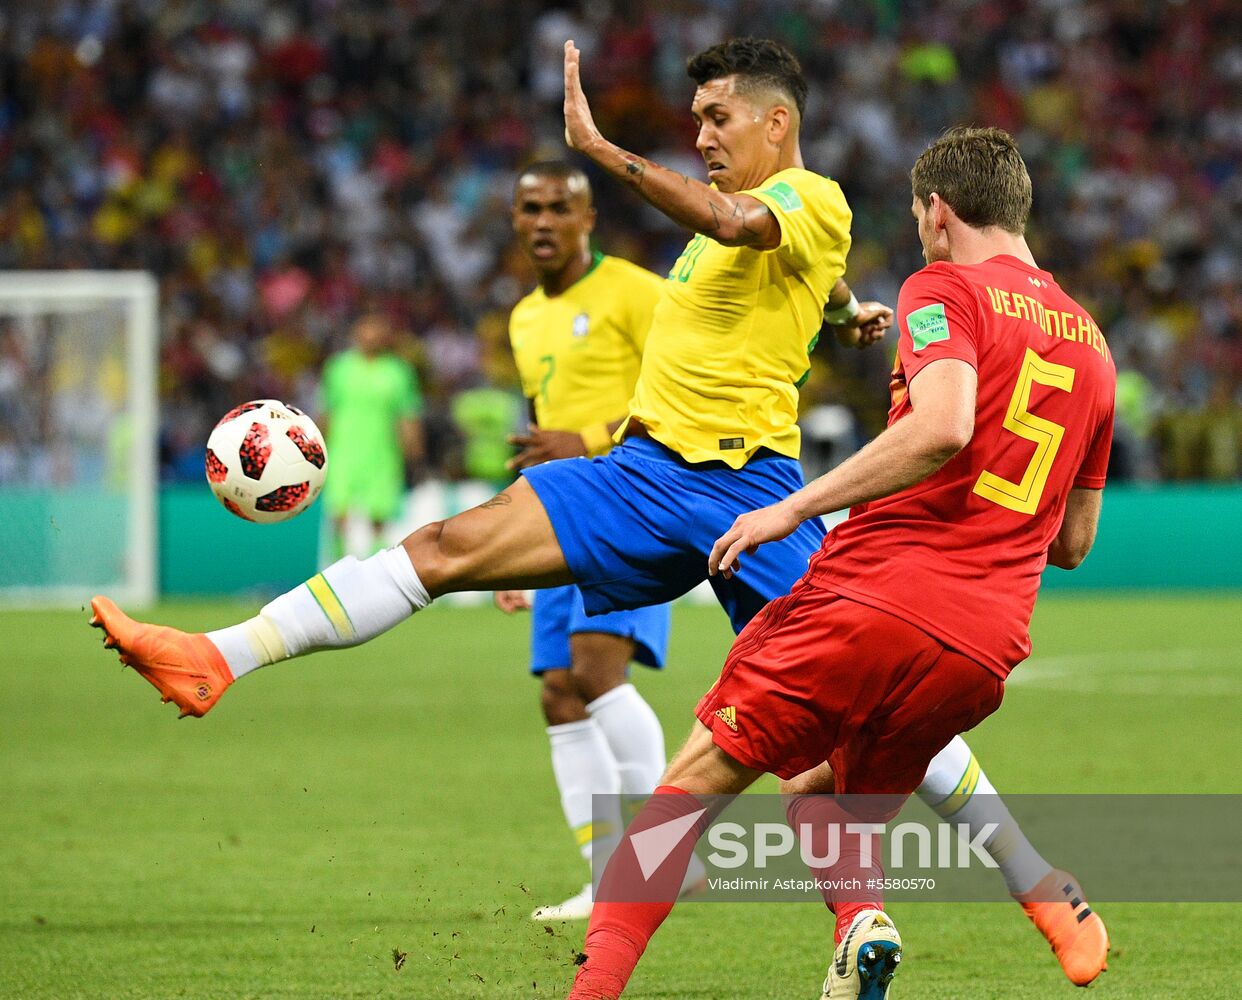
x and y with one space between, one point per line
365 400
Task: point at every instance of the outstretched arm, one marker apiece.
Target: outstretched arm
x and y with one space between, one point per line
730 219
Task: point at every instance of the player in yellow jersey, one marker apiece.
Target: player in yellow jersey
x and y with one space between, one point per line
578 341
711 430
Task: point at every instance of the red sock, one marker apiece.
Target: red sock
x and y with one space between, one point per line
847 900
845 914
629 905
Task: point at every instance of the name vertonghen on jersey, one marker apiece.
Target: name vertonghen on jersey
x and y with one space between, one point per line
1054 322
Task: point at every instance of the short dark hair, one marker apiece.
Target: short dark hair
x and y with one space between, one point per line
980 174
557 169
761 61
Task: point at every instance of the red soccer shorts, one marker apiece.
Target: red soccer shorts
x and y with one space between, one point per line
817 677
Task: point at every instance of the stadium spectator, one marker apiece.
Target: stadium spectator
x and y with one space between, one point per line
277 165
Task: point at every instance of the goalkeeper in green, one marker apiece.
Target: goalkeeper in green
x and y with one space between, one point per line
373 409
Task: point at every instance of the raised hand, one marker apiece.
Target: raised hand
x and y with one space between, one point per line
580 130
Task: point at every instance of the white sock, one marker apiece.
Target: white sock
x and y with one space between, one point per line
348 603
636 739
634 735
584 766
958 790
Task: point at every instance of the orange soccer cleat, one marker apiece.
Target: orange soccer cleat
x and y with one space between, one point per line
184 668
1058 907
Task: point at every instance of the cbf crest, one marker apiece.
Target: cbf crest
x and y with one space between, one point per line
582 325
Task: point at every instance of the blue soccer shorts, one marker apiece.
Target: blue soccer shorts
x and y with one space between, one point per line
636 526
558 613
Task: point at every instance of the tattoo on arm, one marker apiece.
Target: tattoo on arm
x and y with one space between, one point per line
637 170
737 215
499 500
634 170
762 211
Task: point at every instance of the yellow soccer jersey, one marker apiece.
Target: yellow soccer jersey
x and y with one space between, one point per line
578 353
729 341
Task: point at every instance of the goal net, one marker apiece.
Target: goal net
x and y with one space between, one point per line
78 470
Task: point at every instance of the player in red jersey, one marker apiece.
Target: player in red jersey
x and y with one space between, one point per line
906 623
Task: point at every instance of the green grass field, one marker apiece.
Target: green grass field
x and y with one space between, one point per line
398 798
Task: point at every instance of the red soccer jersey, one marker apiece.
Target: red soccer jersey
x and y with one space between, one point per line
960 554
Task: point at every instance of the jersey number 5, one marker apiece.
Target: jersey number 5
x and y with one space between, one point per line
1024 496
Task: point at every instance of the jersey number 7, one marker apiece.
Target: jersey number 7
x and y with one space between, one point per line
1024 496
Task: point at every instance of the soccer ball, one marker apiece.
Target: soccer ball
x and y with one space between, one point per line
266 461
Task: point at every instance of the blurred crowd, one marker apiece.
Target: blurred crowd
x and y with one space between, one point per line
283 165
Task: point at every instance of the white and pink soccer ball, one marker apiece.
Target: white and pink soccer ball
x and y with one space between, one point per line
266 461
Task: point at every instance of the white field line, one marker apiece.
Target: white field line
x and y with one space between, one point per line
1140 671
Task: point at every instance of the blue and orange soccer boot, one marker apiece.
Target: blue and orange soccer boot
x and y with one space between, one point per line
184 668
865 960
1058 907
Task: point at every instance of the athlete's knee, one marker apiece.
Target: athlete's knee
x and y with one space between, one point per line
560 699
702 768
441 553
423 545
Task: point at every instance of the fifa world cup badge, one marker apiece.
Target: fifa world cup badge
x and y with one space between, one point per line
582 323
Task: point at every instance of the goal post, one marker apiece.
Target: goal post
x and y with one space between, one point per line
78 429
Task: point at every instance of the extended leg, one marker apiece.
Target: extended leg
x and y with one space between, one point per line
507 542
